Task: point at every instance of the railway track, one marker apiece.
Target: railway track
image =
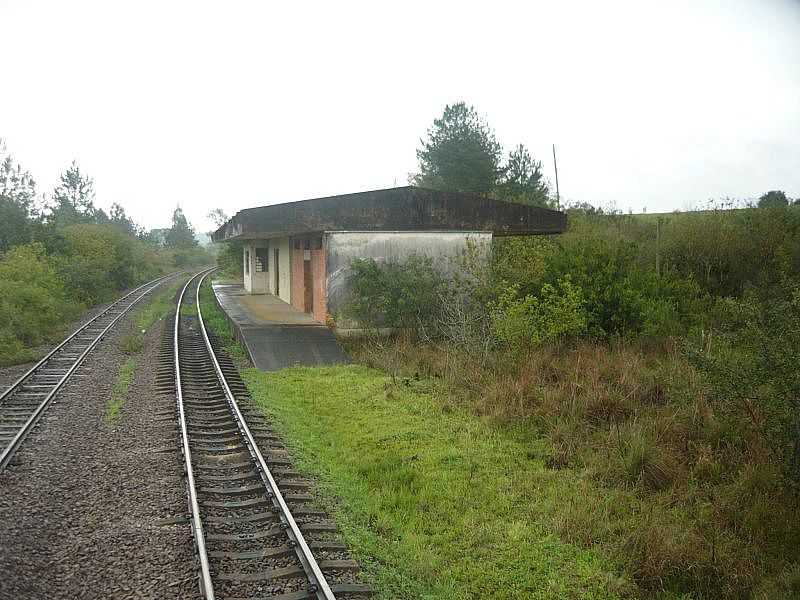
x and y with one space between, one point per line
27 399
256 534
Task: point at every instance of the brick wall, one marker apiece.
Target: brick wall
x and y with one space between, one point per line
320 289
297 278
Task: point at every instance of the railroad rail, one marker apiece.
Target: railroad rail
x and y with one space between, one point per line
254 532
26 400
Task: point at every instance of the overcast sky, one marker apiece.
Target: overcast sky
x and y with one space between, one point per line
657 105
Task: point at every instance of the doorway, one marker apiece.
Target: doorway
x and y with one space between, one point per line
277 273
308 283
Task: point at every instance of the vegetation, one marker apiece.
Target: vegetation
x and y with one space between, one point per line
650 362
229 256
416 485
433 502
120 391
63 254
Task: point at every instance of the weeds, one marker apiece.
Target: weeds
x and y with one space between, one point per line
120 391
673 492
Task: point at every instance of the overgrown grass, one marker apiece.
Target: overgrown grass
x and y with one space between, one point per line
216 321
588 470
120 391
660 485
434 502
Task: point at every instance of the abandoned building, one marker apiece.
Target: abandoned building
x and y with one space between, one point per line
301 251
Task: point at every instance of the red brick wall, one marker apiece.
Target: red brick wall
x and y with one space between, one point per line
297 277
320 289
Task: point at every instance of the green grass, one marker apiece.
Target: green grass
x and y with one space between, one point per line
433 502
216 322
120 391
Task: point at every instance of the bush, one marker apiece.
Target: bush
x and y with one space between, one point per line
555 314
622 293
97 261
34 303
750 362
396 295
229 259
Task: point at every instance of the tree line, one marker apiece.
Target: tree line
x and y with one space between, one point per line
60 253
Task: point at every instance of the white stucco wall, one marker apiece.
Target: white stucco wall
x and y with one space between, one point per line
444 247
284 268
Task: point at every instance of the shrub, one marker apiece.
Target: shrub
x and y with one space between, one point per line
555 314
750 362
98 260
33 301
397 295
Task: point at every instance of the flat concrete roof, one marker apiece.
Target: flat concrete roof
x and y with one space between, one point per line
395 209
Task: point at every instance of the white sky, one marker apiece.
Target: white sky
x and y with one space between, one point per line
652 104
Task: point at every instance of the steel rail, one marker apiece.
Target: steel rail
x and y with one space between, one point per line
79 330
207 587
317 579
13 446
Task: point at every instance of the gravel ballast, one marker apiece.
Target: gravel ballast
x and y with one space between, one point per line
87 508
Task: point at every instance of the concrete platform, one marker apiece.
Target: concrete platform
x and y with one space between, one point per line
275 334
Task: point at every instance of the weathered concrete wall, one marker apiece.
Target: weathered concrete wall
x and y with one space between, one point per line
247 267
444 247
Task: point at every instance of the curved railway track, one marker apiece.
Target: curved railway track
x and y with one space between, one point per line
26 400
255 534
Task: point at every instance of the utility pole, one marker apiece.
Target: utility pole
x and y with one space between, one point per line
555 165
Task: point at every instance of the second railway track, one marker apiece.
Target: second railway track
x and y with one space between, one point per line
256 534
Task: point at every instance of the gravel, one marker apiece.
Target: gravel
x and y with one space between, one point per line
84 504
91 509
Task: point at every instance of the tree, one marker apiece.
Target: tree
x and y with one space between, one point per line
181 234
218 217
772 199
119 218
17 190
73 199
523 180
461 153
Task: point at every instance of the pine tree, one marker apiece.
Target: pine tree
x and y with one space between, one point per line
523 180
73 199
461 153
17 190
181 234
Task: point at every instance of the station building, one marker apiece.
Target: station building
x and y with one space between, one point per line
301 251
